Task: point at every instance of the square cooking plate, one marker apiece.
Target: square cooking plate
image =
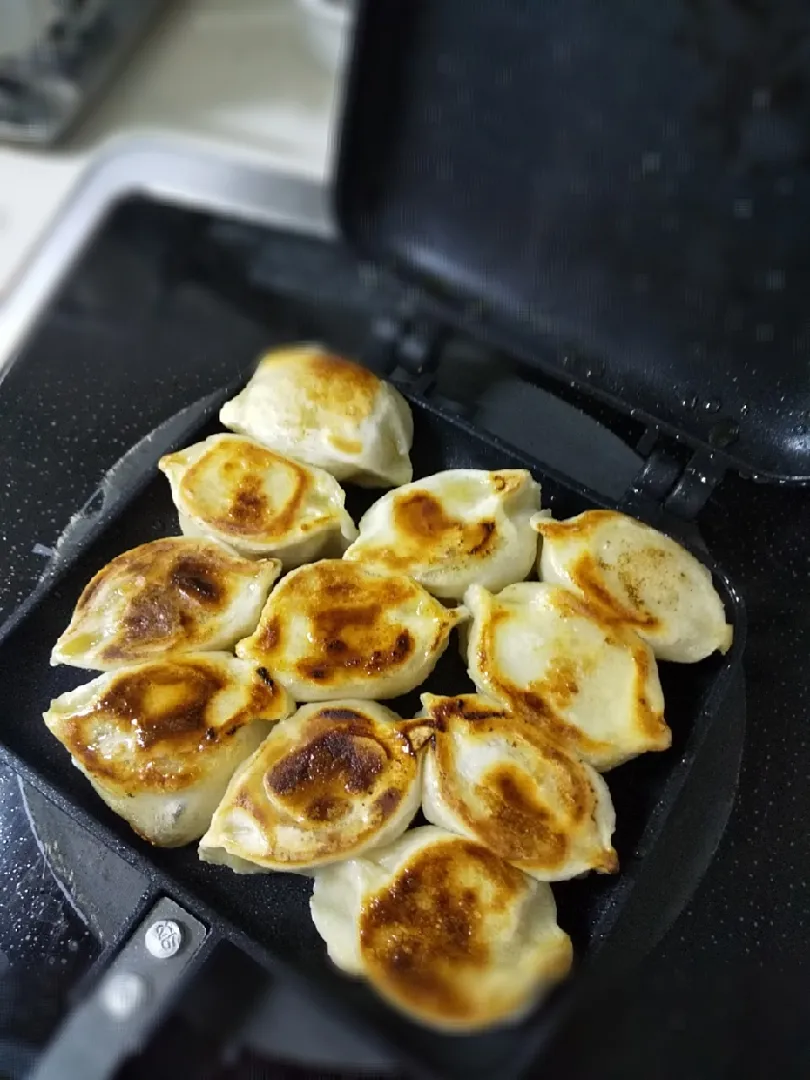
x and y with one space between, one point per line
268 914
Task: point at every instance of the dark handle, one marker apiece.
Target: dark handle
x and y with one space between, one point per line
118 1015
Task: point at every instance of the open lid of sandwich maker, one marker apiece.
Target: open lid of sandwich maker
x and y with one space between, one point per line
617 192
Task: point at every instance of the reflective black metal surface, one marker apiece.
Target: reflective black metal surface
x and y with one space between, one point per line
616 189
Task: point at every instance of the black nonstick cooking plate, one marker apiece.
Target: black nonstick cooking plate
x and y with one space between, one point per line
268 914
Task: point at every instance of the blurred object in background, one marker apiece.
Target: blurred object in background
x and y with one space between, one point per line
22 23
55 55
327 25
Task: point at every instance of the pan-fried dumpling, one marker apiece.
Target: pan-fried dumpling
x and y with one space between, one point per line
501 780
329 783
635 575
452 530
160 741
174 595
443 929
591 685
334 629
229 488
311 405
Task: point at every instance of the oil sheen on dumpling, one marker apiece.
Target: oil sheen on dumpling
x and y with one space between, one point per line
501 780
590 684
334 629
160 741
329 783
443 929
259 503
639 577
311 405
454 529
173 595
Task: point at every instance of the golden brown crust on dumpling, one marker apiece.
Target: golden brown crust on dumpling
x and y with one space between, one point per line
326 784
456 937
340 384
453 529
169 719
326 411
591 684
334 628
443 929
257 501
500 779
172 595
160 741
240 506
426 925
634 576
423 528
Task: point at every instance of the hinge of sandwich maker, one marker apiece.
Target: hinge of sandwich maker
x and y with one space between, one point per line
666 486
406 347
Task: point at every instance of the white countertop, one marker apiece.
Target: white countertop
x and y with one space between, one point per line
233 76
